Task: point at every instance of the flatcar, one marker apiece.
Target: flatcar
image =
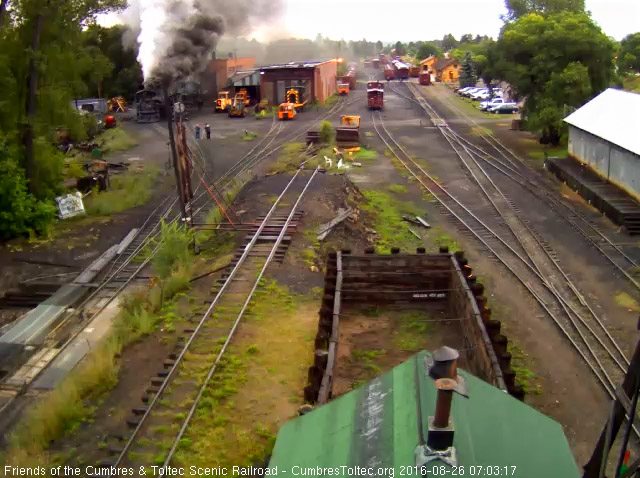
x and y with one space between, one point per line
375 95
414 71
425 78
402 70
389 72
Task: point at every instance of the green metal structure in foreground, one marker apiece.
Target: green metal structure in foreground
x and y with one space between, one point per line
375 427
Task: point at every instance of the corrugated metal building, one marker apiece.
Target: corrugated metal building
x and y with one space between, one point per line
605 135
317 77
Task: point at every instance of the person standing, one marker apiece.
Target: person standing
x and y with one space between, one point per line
207 129
198 131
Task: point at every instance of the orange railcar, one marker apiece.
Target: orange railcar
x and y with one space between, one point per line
414 71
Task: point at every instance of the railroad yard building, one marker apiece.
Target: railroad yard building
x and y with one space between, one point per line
603 135
220 70
317 77
447 70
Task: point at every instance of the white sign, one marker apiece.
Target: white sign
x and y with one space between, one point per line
70 205
178 108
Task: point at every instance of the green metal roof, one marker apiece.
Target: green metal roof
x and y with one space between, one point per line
376 426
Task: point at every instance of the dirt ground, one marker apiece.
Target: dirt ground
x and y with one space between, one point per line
374 341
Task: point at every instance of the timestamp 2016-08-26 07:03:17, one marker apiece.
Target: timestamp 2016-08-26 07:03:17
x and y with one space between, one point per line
472 470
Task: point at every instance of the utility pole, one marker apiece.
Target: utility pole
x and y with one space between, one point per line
174 153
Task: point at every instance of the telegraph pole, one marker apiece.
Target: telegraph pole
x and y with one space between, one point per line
174 153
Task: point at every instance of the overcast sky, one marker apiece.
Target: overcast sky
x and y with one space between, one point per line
406 20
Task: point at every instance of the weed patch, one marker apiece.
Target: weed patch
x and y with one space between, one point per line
397 188
249 136
127 190
412 328
289 159
625 300
392 230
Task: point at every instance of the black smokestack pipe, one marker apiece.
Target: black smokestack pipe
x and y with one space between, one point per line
174 152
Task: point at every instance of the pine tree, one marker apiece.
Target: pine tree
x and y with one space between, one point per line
468 74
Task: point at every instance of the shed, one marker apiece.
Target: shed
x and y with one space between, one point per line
384 424
603 134
317 77
447 70
249 80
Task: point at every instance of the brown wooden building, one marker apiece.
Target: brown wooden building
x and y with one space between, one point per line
317 77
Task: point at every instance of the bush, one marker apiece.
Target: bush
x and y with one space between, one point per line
175 251
326 132
20 213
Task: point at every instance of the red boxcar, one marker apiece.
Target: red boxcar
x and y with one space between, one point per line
375 95
425 78
350 78
389 72
414 71
402 70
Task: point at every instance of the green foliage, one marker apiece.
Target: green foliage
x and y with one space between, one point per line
392 230
519 8
289 159
629 55
175 251
449 42
20 213
552 61
427 49
468 74
126 191
327 133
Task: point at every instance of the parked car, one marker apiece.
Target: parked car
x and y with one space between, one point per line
471 91
485 105
461 91
504 108
481 95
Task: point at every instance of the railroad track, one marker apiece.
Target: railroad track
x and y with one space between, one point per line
503 160
177 391
522 253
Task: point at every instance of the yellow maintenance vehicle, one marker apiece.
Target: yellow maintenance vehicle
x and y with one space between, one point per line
343 88
348 133
237 108
243 96
224 101
286 111
296 96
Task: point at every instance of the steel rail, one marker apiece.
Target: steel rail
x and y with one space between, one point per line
451 138
485 243
213 368
202 321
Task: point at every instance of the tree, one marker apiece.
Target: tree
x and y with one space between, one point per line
544 58
427 49
400 49
519 8
379 46
629 56
468 75
449 42
466 38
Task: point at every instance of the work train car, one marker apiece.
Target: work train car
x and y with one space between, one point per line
414 71
375 95
383 59
402 70
425 78
367 64
350 78
375 63
389 72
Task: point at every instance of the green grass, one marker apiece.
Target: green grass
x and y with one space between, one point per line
558 151
366 360
412 328
445 240
329 102
391 229
625 300
397 188
631 83
521 365
289 159
127 190
365 154
69 405
115 139
249 136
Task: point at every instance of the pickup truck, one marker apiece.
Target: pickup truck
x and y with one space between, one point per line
495 101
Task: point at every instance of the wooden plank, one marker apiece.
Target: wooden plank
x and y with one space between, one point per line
327 378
